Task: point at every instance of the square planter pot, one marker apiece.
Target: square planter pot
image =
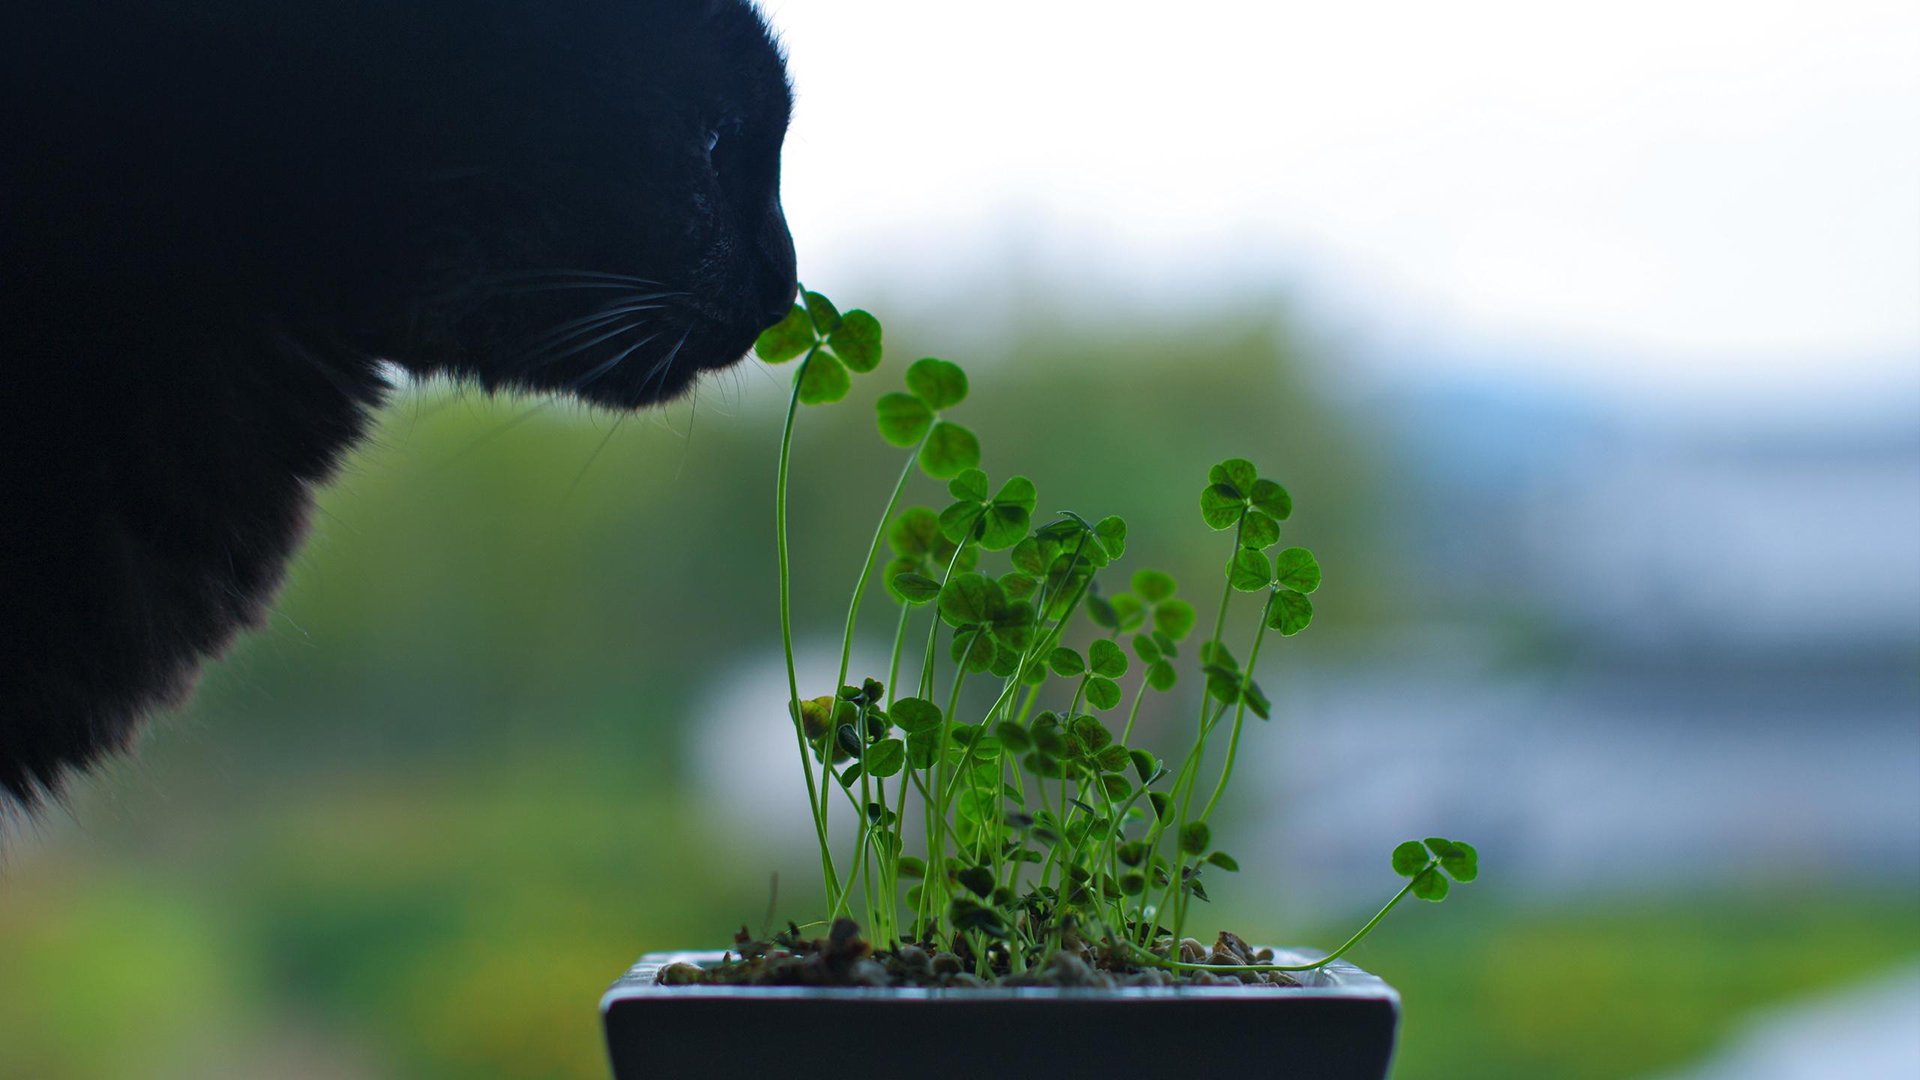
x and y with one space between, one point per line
1338 1025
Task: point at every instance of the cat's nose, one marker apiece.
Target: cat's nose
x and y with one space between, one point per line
778 282
780 303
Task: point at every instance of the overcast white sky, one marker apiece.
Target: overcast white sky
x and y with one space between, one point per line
1672 190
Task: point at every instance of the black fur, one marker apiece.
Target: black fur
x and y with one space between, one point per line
217 217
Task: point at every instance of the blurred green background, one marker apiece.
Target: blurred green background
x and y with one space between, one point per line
518 714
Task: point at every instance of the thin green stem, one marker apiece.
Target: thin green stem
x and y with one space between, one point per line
832 878
892 889
953 695
853 612
1159 826
865 817
893 661
1133 713
840 901
1026 703
933 632
934 823
1160 961
1239 716
1046 875
828 778
1184 798
937 844
866 568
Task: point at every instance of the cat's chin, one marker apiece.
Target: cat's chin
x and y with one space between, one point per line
656 380
637 393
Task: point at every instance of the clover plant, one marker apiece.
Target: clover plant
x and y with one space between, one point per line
1039 821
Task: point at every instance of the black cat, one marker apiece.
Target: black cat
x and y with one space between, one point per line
217 218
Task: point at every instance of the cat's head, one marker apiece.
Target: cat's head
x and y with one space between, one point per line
620 230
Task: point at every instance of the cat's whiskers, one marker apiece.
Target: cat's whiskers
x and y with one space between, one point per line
560 280
565 286
583 275
609 365
488 436
624 328
635 312
595 456
665 363
586 324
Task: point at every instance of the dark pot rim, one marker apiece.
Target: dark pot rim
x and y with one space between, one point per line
1338 980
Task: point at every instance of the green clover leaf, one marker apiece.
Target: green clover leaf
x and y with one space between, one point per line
914 714
1249 571
915 589
939 383
856 341
903 418
1194 837
825 317
1174 618
1296 568
950 450
1460 861
1103 693
1106 658
1152 586
1258 531
1431 885
1236 473
1220 506
823 379
1410 858
787 338
1289 612
1271 499
970 599
885 758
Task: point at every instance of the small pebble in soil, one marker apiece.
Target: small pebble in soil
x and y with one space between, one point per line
1069 970
914 959
681 973
869 972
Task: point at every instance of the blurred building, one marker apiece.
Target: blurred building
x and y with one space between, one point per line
1656 648
1669 536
